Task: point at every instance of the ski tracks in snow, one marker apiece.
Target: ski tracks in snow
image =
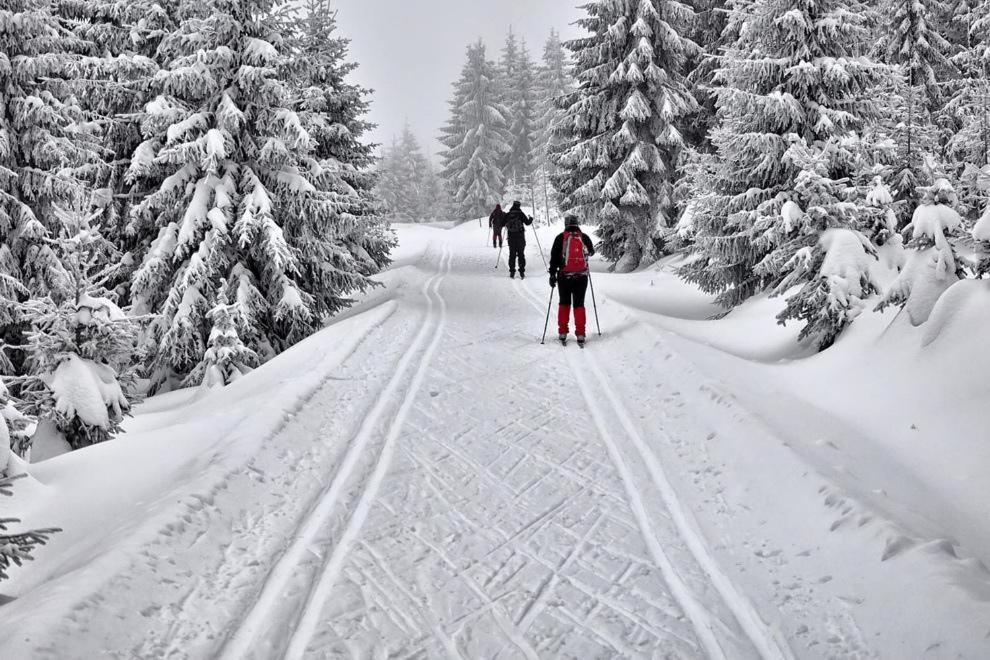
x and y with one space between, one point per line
244 639
767 642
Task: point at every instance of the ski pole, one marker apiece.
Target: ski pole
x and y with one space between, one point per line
499 259
542 256
546 323
593 303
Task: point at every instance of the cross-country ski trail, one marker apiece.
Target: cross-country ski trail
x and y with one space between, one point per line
455 489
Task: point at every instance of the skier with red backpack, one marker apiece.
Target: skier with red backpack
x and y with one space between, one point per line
569 268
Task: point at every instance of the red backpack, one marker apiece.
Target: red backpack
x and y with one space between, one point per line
575 258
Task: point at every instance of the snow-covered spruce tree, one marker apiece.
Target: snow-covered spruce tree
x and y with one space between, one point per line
403 174
968 106
553 81
912 43
621 135
476 138
226 358
44 143
257 183
882 226
119 39
339 229
837 281
932 265
522 103
80 350
707 29
795 91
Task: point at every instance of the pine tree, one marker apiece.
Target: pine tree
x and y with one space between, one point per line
339 230
226 358
969 104
554 81
252 148
521 102
622 130
476 138
707 29
119 40
836 283
913 43
45 146
796 91
932 264
80 350
403 180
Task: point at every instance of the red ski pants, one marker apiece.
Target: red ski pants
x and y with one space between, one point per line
572 290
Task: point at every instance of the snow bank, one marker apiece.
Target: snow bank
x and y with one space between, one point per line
111 497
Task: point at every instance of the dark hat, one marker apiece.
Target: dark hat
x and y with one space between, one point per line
571 221
516 204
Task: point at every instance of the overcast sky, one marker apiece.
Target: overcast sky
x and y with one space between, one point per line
410 51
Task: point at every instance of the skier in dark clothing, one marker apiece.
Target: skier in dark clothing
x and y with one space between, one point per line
495 222
569 268
515 224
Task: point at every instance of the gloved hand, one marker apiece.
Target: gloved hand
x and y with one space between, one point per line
553 280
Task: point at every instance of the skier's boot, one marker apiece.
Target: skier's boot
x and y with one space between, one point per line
580 340
522 275
512 275
562 338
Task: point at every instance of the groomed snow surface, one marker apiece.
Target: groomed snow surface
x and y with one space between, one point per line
424 479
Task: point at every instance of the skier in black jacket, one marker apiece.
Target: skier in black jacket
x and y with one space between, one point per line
495 222
569 267
515 225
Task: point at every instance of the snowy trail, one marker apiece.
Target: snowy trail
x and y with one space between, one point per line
457 490
244 637
768 642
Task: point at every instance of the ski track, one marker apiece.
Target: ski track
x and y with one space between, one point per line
321 592
243 639
768 642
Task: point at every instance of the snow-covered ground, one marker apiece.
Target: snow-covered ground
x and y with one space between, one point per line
424 479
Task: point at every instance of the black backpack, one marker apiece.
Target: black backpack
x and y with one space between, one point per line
514 221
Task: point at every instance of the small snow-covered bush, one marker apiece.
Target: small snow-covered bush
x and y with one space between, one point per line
834 296
80 355
226 358
932 265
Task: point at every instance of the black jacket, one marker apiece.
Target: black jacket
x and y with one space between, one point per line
497 220
557 251
516 221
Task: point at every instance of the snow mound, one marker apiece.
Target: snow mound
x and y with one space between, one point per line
964 306
921 283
